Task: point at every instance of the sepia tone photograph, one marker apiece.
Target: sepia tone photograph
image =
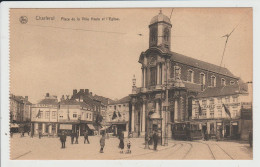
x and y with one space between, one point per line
131 83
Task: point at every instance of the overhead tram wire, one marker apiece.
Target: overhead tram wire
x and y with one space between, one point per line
77 29
171 13
227 38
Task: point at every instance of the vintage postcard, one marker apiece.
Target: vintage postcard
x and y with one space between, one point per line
169 83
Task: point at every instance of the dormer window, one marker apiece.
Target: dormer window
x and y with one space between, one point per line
223 82
213 81
190 76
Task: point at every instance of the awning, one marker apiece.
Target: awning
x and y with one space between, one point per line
14 125
90 126
104 127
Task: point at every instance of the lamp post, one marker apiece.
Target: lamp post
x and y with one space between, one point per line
166 108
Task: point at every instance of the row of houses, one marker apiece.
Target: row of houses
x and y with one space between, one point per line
76 113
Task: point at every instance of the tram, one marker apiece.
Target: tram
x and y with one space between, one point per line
187 131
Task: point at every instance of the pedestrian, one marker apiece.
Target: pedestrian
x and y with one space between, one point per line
150 142
206 136
155 140
86 136
63 139
250 138
28 133
102 143
77 137
72 137
146 140
121 143
128 147
40 134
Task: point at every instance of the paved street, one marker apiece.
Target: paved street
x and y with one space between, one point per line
27 148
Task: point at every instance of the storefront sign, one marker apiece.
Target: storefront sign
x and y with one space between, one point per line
209 106
66 126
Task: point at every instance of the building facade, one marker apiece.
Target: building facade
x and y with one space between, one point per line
220 111
117 118
169 83
19 109
44 116
75 116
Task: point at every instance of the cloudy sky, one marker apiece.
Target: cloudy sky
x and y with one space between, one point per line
57 56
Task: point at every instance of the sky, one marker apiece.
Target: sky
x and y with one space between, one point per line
57 56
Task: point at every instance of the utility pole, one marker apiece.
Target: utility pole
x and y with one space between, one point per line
166 108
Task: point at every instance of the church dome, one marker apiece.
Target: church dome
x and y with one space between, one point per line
160 18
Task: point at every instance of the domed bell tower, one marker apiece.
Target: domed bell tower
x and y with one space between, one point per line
160 32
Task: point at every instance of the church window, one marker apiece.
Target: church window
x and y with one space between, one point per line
202 79
213 81
177 72
166 34
153 76
223 82
190 76
153 34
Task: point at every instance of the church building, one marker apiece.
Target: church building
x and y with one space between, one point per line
169 83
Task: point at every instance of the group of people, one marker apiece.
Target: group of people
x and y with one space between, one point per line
121 143
152 139
73 135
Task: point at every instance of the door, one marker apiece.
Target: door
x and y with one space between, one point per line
227 132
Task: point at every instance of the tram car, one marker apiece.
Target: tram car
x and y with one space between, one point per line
187 131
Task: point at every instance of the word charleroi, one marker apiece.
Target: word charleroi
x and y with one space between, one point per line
45 18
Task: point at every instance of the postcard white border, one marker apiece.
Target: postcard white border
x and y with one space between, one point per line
5 6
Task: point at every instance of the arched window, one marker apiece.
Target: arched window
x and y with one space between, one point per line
213 81
177 72
166 34
223 82
202 79
153 34
190 76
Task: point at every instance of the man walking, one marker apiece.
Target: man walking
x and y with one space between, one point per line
72 137
155 141
77 137
102 143
63 139
86 136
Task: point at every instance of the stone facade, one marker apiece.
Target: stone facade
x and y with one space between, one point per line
169 83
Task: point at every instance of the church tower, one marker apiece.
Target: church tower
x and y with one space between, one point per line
160 32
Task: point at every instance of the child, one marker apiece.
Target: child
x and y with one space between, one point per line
128 147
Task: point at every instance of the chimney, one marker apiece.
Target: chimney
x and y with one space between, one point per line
47 95
90 93
87 91
26 98
74 91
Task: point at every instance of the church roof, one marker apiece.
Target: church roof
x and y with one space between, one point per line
223 91
200 64
160 18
